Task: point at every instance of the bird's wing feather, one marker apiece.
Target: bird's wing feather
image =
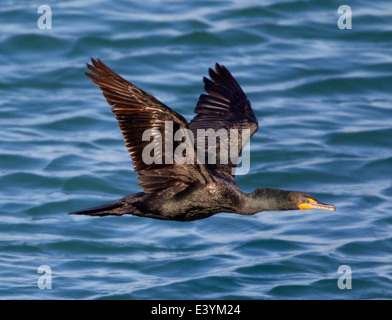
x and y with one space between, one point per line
137 111
225 106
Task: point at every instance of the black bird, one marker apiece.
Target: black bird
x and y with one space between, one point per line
191 190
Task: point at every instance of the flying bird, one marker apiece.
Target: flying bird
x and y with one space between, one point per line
190 190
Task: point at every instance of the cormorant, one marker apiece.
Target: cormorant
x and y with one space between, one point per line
191 190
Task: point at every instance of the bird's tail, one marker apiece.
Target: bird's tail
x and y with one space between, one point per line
116 208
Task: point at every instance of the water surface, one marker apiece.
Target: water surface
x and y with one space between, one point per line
323 99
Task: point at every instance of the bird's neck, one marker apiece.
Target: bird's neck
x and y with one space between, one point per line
266 199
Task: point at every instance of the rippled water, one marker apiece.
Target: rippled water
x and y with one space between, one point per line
323 99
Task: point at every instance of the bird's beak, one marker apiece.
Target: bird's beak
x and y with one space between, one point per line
312 204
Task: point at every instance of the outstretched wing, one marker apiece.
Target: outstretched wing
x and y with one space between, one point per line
224 107
137 111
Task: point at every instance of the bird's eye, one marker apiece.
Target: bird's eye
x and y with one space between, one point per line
306 201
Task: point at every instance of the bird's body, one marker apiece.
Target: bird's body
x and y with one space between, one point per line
194 189
193 203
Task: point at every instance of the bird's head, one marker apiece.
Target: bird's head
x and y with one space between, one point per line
268 199
304 201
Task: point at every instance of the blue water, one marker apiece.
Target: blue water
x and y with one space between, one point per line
323 99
